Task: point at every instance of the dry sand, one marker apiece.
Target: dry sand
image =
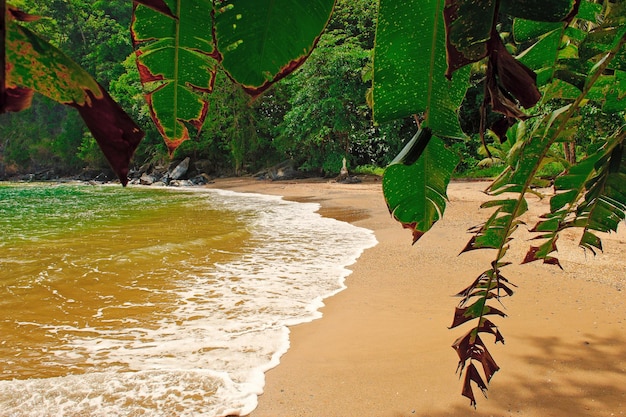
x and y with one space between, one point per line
382 347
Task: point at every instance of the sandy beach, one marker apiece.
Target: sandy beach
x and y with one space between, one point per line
382 347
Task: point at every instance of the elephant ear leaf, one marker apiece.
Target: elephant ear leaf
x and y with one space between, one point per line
177 64
32 64
415 185
262 41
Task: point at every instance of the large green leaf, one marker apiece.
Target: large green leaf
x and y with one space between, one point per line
32 64
543 54
177 64
416 191
410 66
262 41
181 44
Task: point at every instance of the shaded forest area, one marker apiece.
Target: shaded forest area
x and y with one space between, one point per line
315 117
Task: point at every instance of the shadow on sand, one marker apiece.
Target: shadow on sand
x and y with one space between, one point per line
556 377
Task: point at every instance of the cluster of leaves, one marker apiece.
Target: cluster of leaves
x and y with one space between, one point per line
570 55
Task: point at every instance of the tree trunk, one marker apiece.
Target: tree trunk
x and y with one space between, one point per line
569 149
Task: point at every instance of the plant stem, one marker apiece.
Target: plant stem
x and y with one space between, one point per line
573 108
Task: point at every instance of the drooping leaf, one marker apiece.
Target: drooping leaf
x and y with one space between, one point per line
262 41
469 27
489 281
115 132
490 367
476 310
569 189
416 193
34 64
509 81
410 64
496 232
177 63
472 375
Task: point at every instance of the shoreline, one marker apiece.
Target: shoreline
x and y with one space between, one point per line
382 346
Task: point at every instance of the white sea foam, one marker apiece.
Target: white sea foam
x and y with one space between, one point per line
227 327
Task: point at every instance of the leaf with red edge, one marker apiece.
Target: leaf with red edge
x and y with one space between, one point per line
262 41
489 327
415 185
490 367
32 64
177 63
474 311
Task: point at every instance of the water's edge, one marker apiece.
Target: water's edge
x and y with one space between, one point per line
226 318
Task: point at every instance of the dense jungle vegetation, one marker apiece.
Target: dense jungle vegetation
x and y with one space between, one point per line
314 117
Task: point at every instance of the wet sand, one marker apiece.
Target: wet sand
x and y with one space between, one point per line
382 347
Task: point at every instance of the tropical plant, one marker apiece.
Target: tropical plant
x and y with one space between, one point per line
570 57
561 68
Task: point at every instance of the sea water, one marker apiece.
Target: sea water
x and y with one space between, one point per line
151 302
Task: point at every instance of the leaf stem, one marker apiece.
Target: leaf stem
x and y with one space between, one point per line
601 67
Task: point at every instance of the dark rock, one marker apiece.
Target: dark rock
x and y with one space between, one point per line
349 180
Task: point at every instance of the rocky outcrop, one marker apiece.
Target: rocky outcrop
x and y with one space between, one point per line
175 175
283 171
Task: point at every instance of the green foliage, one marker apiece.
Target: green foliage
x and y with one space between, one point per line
369 170
327 109
33 64
410 63
415 183
569 59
